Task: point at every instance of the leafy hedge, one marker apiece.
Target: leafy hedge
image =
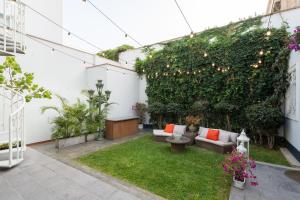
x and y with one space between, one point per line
230 67
113 54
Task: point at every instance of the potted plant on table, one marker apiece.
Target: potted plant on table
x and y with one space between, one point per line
141 110
192 122
240 168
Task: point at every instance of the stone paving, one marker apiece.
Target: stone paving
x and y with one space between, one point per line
273 185
48 173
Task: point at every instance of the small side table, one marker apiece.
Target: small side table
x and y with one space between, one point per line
178 144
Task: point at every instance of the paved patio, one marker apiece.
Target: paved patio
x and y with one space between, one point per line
273 185
41 177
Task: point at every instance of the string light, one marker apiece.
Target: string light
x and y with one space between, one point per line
269 33
168 66
192 34
213 64
259 61
113 22
150 56
261 52
185 19
205 54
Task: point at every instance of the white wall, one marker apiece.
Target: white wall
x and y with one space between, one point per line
292 125
37 25
60 74
123 84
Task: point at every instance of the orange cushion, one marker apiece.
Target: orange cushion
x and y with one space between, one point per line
213 134
169 128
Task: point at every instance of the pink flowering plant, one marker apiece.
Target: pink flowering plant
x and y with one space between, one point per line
295 40
239 167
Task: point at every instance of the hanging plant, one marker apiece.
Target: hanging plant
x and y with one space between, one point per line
295 40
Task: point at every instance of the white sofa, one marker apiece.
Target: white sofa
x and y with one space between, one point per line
225 144
160 135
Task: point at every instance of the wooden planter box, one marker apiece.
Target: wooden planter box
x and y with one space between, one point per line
121 127
66 142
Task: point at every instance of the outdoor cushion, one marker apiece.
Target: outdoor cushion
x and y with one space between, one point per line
213 134
169 128
218 142
232 136
179 129
203 132
158 132
224 136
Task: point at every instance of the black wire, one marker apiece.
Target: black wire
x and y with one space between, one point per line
114 23
184 17
60 26
68 31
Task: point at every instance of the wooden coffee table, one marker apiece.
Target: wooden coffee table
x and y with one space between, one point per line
178 144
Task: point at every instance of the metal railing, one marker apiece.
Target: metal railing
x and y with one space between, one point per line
12 137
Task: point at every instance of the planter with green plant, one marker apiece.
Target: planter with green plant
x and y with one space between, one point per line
141 109
77 123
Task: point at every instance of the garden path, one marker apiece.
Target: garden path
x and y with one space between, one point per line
273 185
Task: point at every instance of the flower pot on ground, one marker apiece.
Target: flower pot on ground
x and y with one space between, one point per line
141 110
239 184
240 168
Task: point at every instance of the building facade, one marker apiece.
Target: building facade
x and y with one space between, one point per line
281 5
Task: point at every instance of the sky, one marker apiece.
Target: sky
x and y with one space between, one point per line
149 21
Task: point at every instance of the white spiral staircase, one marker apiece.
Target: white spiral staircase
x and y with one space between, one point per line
12 140
12 27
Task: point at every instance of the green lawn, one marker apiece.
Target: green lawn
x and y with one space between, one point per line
266 155
196 174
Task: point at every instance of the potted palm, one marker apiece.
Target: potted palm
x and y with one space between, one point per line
141 110
240 168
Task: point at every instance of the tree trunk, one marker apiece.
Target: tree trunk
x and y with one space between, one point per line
261 141
271 141
228 122
160 122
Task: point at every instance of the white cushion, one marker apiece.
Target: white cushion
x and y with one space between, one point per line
224 136
232 136
179 129
202 132
158 132
218 142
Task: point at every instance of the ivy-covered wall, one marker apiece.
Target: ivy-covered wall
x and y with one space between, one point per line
230 67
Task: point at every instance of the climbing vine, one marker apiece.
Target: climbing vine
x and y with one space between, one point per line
230 67
113 54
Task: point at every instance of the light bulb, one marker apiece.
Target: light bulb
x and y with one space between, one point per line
261 52
168 65
259 61
192 34
268 33
150 56
205 54
213 64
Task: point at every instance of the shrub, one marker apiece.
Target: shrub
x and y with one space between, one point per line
141 110
265 120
